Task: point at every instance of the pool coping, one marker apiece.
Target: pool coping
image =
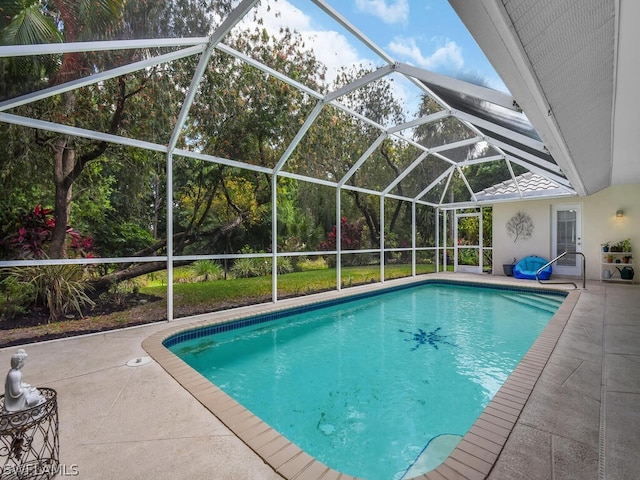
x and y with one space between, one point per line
473 458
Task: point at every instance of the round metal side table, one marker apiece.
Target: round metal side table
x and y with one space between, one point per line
29 443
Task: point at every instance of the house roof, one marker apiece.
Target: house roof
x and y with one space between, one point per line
526 186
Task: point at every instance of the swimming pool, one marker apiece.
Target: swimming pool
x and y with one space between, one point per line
394 336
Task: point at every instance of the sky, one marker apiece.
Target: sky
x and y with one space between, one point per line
423 33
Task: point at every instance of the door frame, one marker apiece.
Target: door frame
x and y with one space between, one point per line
570 270
468 268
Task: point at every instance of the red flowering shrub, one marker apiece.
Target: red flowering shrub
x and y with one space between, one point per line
36 229
350 233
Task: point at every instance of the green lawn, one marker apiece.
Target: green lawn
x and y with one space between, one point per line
258 289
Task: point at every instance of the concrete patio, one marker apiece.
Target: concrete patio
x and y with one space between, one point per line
581 421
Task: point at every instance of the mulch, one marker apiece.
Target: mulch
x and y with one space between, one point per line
35 326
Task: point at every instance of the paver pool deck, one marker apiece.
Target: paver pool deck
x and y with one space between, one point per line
580 421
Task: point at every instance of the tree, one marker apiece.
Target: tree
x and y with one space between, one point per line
337 140
76 20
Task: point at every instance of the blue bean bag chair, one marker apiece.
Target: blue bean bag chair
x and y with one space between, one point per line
528 266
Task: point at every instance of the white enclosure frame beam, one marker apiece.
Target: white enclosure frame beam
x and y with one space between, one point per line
99 46
483 93
98 77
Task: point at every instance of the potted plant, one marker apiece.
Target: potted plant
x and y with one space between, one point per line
605 247
622 246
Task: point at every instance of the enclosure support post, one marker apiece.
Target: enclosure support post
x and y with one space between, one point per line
413 238
169 236
274 238
437 255
382 232
338 242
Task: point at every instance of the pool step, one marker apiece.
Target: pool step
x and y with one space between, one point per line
436 452
542 302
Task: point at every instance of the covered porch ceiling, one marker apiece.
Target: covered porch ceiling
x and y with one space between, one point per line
543 156
573 67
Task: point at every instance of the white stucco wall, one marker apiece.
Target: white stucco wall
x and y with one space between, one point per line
599 225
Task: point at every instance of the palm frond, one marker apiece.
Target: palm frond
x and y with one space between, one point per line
30 26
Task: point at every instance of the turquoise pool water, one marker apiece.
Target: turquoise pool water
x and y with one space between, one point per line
365 386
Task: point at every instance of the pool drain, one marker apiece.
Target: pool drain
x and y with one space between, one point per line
138 362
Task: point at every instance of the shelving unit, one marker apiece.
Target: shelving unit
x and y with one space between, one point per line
612 261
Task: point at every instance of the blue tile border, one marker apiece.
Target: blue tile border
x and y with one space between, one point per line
200 332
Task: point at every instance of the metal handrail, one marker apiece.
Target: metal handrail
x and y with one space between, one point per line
584 270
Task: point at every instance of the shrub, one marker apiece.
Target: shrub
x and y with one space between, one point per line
120 239
119 290
350 233
14 297
206 270
35 230
59 288
182 274
284 265
312 264
245 268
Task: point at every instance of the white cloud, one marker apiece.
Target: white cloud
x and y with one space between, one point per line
329 46
283 14
445 57
395 12
332 49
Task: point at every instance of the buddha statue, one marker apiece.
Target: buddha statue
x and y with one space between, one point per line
17 394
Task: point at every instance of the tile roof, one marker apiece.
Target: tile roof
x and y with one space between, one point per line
528 185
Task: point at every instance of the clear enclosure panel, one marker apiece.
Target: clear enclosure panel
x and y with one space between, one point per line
518 169
447 228
111 214
306 216
26 74
267 36
87 289
426 261
359 269
425 226
421 176
398 223
411 103
470 152
385 165
219 209
243 114
397 265
487 227
144 21
485 175
141 105
458 191
331 146
220 293
468 256
487 260
435 193
360 220
442 132
310 274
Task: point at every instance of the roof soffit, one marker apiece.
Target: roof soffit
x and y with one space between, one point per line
557 60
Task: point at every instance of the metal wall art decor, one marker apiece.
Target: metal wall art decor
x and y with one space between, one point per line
520 226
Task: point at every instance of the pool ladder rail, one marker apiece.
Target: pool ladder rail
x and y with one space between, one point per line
584 271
